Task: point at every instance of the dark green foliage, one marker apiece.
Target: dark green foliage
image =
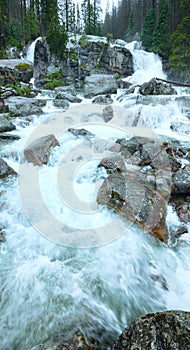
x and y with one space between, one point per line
130 28
180 57
53 84
57 38
162 35
148 29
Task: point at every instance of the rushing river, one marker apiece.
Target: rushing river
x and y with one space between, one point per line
95 284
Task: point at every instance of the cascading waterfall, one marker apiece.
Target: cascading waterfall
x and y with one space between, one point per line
164 113
46 287
31 50
147 65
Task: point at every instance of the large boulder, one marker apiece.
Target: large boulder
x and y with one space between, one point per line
38 151
24 106
164 330
5 169
140 191
97 84
156 87
15 69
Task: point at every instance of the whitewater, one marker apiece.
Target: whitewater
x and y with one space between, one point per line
106 271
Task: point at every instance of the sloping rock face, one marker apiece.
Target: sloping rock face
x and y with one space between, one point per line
41 59
104 58
38 152
11 71
139 184
156 87
163 331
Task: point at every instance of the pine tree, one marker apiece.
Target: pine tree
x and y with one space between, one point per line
148 29
162 34
130 28
180 57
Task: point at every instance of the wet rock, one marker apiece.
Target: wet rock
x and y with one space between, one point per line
141 192
97 84
181 231
67 96
38 151
9 72
7 136
107 113
156 87
61 103
182 207
181 181
5 124
74 342
41 59
5 169
114 164
24 106
103 99
2 237
164 330
128 194
80 132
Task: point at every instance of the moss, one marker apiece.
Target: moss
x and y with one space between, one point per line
53 84
23 67
21 91
55 75
73 56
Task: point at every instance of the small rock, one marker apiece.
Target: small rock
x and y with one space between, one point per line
114 164
107 113
80 132
5 169
38 151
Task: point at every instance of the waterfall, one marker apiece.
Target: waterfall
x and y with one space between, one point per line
147 65
69 45
31 50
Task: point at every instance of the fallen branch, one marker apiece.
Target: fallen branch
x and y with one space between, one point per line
174 82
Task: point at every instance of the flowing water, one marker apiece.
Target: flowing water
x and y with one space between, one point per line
97 284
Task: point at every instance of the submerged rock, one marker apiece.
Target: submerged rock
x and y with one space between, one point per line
38 151
5 170
164 330
74 342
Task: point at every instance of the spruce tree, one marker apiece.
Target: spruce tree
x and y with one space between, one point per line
130 28
162 35
148 29
180 57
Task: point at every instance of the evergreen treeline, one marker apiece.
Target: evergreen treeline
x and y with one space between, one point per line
24 20
163 26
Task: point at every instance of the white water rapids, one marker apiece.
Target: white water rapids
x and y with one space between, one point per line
48 287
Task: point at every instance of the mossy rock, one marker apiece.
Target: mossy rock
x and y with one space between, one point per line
23 67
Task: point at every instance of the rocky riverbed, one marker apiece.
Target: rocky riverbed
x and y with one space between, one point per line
141 175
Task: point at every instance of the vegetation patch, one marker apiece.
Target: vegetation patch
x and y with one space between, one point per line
53 84
23 67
